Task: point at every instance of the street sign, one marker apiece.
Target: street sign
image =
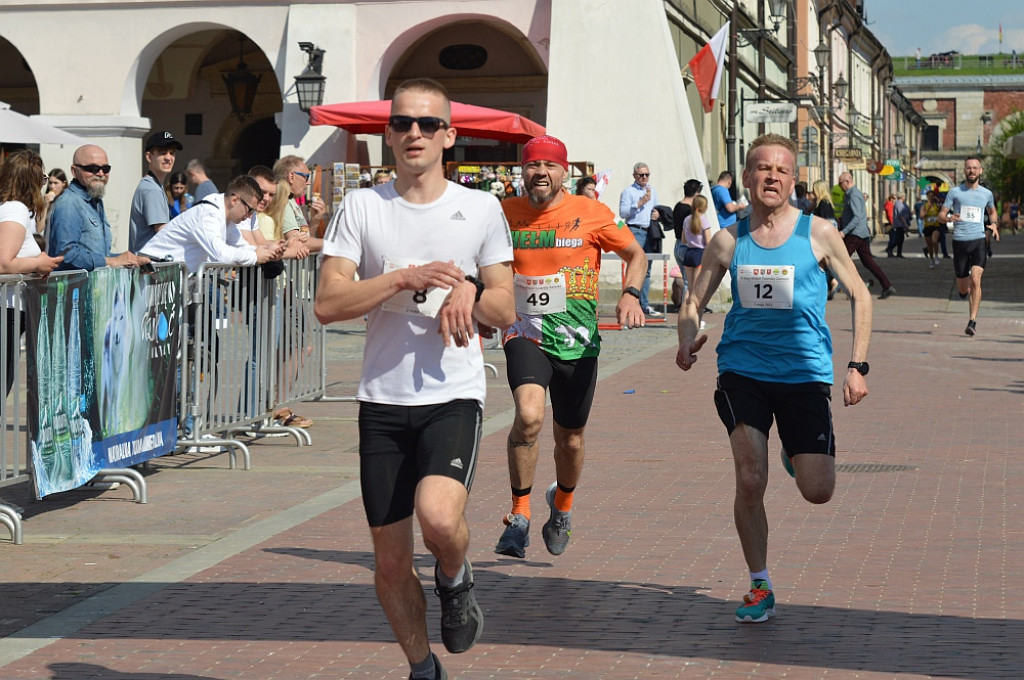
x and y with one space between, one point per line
770 112
847 153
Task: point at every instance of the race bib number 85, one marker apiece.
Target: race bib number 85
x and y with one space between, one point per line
765 287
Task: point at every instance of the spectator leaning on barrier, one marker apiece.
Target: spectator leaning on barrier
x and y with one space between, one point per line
79 229
208 232
294 171
150 211
295 249
21 202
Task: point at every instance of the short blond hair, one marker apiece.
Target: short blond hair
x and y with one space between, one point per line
771 139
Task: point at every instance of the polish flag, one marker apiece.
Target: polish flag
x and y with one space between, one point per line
706 67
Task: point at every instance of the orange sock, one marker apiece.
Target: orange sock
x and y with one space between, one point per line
521 505
563 500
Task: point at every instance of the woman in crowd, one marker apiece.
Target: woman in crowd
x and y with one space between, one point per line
178 198
21 202
56 183
585 187
823 208
695 231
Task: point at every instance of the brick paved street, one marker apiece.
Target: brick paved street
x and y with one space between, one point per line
906 573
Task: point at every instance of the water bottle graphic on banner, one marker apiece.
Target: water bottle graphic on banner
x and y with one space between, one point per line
81 433
62 470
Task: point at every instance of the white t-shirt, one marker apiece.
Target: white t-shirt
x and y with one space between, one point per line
200 235
19 213
405 361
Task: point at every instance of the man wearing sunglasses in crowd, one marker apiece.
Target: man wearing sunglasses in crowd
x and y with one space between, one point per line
150 210
433 260
296 225
79 229
208 231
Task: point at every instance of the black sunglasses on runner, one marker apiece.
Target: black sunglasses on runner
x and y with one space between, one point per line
428 124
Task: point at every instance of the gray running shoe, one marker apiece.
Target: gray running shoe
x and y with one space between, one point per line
439 672
462 620
558 528
515 538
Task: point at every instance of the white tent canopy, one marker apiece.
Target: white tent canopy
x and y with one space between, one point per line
16 128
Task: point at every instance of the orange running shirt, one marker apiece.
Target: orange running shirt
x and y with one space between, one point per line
567 238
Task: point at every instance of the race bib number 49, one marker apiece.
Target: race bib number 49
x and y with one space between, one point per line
426 302
539 295
765 286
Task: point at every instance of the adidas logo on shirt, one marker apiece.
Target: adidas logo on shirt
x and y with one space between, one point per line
821 437
458 216
457 463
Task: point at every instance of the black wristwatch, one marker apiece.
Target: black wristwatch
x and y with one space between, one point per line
861 366
479 286
632 291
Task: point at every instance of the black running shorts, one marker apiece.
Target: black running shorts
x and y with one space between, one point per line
967 254
400 445
571 383
801 411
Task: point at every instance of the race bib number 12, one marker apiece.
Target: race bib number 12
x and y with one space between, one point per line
426 302
765 286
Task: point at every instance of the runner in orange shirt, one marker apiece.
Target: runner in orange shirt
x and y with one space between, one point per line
557 240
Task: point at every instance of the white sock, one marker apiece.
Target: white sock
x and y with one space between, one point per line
761 576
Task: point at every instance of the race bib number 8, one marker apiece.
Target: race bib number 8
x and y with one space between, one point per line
765 287
426 302
970 213
540 294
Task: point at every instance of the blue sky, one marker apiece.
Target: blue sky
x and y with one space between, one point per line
969 26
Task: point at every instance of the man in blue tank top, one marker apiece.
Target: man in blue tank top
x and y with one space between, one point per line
775 356
966 205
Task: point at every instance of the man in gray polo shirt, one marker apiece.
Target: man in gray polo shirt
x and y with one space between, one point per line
150 210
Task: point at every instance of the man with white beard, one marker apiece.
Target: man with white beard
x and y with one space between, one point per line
79 229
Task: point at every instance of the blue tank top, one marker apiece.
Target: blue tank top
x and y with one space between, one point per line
763 341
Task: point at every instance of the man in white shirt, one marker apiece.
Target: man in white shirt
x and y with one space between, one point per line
208 231
433 260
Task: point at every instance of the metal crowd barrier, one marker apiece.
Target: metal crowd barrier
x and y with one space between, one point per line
15 461
254 345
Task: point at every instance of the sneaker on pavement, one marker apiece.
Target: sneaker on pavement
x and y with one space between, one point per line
886 293
439 672
515 538
462 620
653 313
936 261
558 528
758 605
972 327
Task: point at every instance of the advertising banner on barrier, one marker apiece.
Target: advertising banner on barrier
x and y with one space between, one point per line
101 351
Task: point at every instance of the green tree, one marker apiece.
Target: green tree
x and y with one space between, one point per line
1006 175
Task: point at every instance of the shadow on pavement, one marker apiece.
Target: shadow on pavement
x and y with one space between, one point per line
644 618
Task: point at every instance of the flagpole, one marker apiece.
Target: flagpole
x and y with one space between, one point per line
730 130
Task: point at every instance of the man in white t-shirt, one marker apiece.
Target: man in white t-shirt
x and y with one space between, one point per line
433 259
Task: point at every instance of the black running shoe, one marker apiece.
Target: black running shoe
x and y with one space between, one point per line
972 328
462 620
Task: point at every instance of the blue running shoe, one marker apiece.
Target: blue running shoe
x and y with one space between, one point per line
758 605
515 538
